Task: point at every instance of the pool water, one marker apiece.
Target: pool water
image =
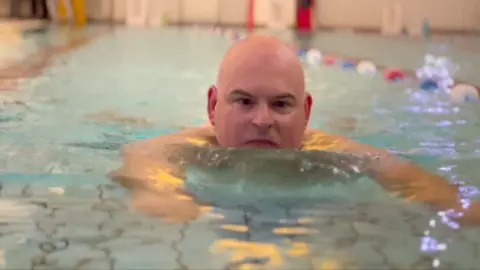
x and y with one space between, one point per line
60 211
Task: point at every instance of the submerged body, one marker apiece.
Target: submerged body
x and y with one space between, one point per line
154 169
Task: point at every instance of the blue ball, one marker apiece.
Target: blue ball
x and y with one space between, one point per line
301 52
348 64
428 85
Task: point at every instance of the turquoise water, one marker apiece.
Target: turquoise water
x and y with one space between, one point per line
59 211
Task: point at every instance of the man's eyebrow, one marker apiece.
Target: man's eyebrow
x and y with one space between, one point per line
285 96
243 93
240 92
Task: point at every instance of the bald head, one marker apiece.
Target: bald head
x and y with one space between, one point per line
261 51
259 98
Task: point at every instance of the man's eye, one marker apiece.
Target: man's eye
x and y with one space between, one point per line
281 104
245 101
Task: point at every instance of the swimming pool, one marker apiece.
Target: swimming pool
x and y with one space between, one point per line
60 210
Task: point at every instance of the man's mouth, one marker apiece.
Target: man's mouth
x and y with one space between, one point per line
262 144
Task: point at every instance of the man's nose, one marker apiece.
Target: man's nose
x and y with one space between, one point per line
263 117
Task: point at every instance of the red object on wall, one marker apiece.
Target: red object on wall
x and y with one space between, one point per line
250 15
305 15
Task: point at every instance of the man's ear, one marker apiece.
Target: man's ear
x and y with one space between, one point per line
308 106
211 104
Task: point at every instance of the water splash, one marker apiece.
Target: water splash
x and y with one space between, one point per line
438 70
448 217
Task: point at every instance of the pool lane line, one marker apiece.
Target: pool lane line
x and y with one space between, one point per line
409 73
234 35
33 65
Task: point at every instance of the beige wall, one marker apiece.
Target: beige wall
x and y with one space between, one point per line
5 7
203 11
232 11
443 14
262 11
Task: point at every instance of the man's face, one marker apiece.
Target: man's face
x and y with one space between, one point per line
259 105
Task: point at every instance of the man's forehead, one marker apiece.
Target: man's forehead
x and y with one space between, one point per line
256 82
262 88
270 69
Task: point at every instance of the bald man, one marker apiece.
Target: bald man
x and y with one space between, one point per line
259 101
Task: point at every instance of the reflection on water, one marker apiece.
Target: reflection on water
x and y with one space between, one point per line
98 145
284 162
304 39
256 180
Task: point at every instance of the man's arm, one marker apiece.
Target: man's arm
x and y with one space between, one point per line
141 161
142 158
416 184
403 177
156 183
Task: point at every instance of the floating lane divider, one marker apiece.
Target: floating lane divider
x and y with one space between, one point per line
433 78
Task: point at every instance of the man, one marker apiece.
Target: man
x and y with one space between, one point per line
259 101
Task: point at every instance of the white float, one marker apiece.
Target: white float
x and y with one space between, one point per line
392 20
136 12
365 67
313 57
461 93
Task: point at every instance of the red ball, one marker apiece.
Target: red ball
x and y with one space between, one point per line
328 60
393 74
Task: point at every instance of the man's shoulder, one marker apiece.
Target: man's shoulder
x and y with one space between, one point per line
156 151
315 139
198 135
316 135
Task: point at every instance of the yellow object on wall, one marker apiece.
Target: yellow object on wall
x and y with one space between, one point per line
61 10
78 9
